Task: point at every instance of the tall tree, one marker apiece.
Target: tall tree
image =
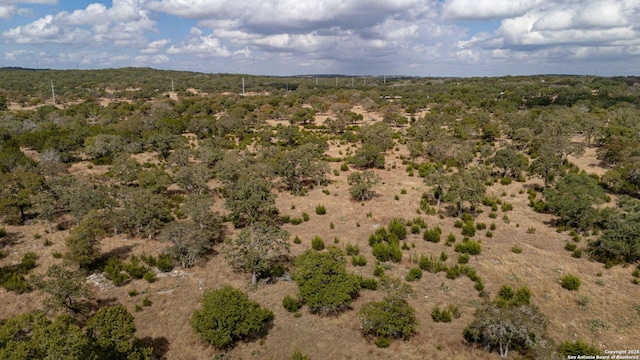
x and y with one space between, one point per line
256 248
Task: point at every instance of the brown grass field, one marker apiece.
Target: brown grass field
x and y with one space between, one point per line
607 295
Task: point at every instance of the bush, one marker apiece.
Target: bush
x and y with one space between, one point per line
305 217
432 235
28 261
391 318
575 348
431 265
440 315
344 167
570 282
165 262
468 228
228 316
3 232
321 210
358 260
296 221
352 250
398 228
468 247
291 304
369 283
414 274
385 252
463 259
317 243
450 239
323 281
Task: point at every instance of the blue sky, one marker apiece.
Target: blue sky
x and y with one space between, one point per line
353 37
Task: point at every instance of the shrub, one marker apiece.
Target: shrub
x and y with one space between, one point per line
358 260
291 304
297 355
432 235
481 226
28 261
391 318
446 314
450 239
165 262
368 283
414 274
431 265
227 316
305 217
468 247
297 240
516 249
463 259
3 232
468 228
344 167
506 180
323 281
576 348
570 282
506 207
352 250
317 243
321 210
398 228
296 221
385 252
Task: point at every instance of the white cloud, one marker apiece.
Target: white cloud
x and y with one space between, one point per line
488 9
123 24
199 45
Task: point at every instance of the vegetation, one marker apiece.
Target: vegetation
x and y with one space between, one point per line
120 180
324 284
228 316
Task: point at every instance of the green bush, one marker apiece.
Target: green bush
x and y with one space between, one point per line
358 260
463 259
576 348
398 228
432 235
352 250
165 262
468 228
323 281
113 271
321 210
28 261
227 316
431 265
344 167
440 315
570 282
305 217
391 318
368 283
296 221
385 252
468 247
450 239
291 304
3 232
414 274
317 243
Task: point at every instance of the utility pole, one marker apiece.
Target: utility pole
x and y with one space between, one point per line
243 86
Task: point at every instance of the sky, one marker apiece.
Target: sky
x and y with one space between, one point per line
351 37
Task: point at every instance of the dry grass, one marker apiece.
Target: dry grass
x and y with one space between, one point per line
539 266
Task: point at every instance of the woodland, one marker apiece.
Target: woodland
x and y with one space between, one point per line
150 214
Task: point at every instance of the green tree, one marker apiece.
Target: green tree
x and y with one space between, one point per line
368 156
113 332
142 212
509 161
82 244
323 281
300 166
189 243
548 166
256 248
510 323
361 184
19 189
572 200
250 200
103 145
67 289
466 186
228 316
